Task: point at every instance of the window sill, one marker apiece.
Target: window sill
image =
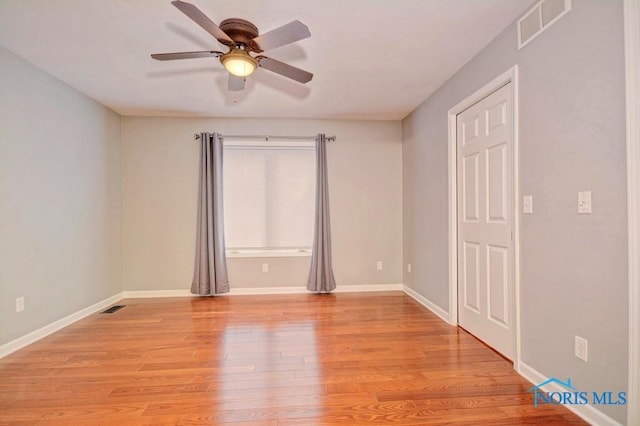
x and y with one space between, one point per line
268 253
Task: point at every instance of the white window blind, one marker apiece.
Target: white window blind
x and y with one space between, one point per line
269 195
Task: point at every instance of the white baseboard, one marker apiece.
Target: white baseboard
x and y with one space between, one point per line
303 290
587 412
367 288
141 294
263 290
40 333
444 315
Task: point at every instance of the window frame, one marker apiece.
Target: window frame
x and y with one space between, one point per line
256 252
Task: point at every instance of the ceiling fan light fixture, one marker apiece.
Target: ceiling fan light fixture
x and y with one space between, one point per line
239 63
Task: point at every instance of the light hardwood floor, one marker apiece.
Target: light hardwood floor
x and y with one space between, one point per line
355 359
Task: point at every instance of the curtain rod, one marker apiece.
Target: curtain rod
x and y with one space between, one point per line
267 137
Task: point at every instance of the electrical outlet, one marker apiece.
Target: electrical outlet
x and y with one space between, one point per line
265 267
379 265
584 202
408 267
581 348
20 304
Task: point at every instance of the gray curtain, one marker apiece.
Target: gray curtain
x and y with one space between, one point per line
321 273
210 270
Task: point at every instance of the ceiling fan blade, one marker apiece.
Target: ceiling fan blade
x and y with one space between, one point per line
186 55
286 70
236 83
288 33
201 19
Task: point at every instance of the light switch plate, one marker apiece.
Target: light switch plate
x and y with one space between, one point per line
527 204
584 202
581 348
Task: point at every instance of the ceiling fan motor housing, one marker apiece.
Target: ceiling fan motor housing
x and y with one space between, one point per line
239 30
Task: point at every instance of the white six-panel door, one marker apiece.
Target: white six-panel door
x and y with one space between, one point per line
485 220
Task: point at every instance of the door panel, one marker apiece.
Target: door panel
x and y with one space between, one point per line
496 116
470 130
485 220
470 188
497 284
496 192
471 264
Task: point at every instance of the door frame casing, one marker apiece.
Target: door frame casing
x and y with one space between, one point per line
509 76
632 86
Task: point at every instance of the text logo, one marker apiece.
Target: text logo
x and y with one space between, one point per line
569 395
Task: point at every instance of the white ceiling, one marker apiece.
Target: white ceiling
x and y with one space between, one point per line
371 59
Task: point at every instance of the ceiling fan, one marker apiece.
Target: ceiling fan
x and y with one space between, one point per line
242 38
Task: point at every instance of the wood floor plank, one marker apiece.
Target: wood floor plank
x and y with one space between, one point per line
353 359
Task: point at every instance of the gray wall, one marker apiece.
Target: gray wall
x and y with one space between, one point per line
60 192
160 172
572 138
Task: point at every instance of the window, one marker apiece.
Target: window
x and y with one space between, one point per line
269 196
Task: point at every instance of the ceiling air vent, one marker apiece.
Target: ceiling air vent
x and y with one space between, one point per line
539 18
